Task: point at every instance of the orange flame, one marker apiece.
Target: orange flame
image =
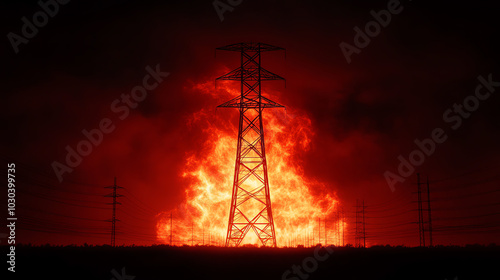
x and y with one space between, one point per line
298 202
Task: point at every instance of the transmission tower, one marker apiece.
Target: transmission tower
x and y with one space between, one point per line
319 230
421 219
421 229
338 225
326 233
357 235
250 202
113 220
360 225
364 226
343 231
429 211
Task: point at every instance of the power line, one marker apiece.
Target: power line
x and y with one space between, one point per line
58 201
59 215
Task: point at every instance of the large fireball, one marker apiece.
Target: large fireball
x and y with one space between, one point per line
298 202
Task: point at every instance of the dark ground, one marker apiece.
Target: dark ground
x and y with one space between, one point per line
163 262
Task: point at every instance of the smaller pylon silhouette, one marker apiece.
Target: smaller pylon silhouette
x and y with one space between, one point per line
113 220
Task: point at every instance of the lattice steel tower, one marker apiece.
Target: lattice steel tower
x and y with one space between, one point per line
250 203
113 220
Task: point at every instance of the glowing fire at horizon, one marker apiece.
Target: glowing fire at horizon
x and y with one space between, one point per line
298 202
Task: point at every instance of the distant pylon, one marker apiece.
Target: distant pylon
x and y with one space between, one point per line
360 225
429 212
421 229
421 218
326 234
343 231
364 226
113 220
307 234
338 225
319 230
250 202
357 237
